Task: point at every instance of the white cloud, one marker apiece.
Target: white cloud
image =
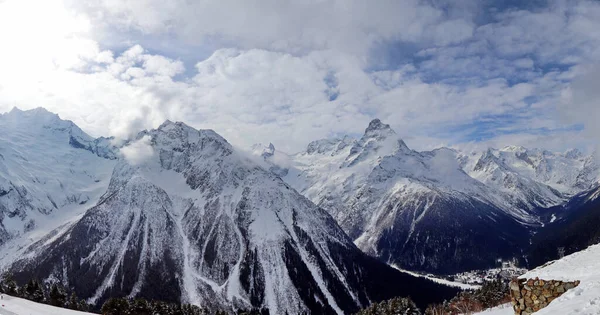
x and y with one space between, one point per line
581 102
302 71
139 151
257 95
261 96
346 25
163 66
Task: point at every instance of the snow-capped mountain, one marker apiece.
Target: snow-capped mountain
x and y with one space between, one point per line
439 210
190 219
533 178
50 170
178 214
521 191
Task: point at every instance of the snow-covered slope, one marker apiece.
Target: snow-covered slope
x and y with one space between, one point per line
582 300
433 211
192 220
50 171
17 306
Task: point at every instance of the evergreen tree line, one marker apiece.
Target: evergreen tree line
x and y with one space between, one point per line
57 295
491 294
395 306
123 306
33 290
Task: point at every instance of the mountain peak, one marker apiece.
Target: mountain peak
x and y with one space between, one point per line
171 125
514 148
270 150
376 124
402 147
38 113
178 136
39 121
265 151
166 124
573 154
377 130
487 160
379 140
180 127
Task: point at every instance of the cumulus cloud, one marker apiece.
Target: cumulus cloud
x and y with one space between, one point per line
258 95
348 25
139 151
290 72
581 102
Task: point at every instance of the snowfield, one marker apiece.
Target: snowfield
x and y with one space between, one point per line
503 309
17 306
582 300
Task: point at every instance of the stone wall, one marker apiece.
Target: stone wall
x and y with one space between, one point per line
531 295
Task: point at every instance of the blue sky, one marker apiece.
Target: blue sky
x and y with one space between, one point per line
459 73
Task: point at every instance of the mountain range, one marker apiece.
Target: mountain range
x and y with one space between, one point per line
176 214
180 215
441 211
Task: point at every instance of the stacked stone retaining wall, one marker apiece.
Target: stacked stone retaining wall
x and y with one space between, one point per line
531 295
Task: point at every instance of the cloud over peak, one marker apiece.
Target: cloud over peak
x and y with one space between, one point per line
291 72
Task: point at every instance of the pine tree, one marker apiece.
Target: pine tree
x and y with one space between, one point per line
159 308
403 306
140 307
83 306
9 286
116 306
73 302
189 309
33 291
57 296
395 306
27 290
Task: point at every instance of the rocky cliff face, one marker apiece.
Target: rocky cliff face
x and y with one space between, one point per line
189 219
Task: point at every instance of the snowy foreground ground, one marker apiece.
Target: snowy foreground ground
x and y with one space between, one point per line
582 300
15 306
